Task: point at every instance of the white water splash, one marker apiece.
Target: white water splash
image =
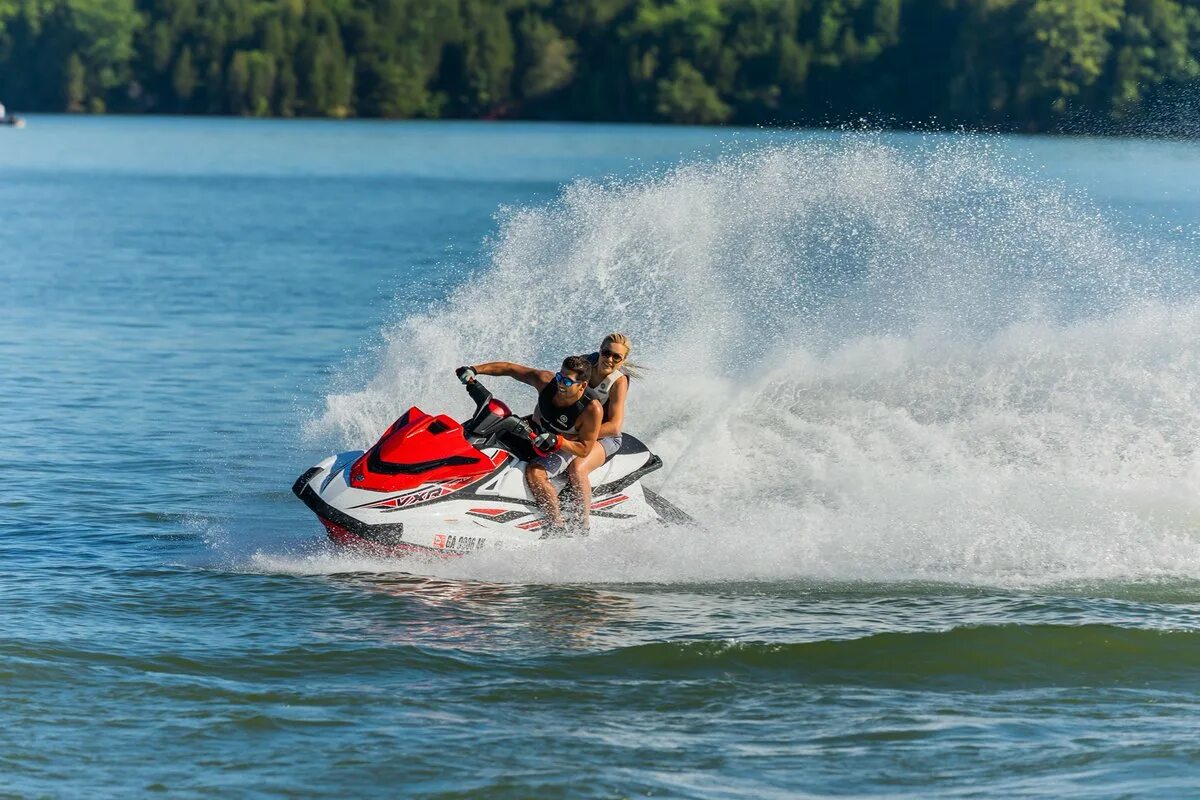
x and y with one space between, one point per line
866 363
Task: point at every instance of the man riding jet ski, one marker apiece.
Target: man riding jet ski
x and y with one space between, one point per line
566 419
432 485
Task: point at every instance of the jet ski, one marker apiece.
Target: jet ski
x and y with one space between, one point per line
434 486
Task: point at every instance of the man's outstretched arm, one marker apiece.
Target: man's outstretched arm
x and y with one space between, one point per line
537 378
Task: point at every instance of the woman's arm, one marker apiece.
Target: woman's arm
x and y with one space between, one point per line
537 378
616 408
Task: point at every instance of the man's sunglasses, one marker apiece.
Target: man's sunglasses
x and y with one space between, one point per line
612 354
564 381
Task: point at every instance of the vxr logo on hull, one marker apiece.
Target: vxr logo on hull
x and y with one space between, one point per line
413 498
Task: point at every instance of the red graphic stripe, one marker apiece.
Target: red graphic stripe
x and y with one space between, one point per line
612 501
488 512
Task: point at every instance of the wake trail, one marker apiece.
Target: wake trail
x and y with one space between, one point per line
865 362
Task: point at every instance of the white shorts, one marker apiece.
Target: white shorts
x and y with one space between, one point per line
555 463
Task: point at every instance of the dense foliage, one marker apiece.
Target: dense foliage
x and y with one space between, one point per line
1034 64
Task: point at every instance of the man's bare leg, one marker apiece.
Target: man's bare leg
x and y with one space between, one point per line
543 493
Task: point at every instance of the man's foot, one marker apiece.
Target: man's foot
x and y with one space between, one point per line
553 530
563 530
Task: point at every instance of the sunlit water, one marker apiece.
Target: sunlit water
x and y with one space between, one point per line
932 401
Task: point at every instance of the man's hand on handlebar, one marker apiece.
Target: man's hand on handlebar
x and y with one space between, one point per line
465 374
546 443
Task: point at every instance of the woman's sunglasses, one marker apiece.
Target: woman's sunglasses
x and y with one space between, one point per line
612 354
564 381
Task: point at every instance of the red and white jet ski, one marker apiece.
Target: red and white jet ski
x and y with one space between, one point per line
431 485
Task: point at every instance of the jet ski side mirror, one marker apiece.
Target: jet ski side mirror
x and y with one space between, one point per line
488 411
479 394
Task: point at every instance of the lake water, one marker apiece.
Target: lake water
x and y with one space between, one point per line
932 400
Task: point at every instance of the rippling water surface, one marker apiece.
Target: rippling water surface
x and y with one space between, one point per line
931 399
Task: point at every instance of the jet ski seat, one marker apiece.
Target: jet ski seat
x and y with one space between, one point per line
630 445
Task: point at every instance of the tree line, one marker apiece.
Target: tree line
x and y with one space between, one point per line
999 64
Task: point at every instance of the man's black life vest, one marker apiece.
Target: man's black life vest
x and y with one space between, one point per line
559 419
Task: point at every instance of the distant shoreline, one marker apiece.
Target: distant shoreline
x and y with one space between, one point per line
1019 66
1132 132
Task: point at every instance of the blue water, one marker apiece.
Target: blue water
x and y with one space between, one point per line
932 400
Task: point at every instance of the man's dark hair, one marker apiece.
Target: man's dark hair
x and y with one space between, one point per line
579 365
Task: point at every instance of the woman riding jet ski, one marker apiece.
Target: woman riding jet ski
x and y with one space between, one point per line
432 485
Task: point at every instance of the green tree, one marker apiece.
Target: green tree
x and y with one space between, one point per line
161 45
547 58
327 77
1068 47
1156 45
288 87
237 83
183 77
214 87
76 86
103 33
489 53
261 84
686 97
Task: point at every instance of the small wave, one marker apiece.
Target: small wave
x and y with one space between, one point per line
969 658
1004 655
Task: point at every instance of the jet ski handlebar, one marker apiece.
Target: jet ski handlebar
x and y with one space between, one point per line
494 423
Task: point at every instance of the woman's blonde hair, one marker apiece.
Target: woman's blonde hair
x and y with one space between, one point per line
631 369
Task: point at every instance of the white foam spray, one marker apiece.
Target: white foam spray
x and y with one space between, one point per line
867 362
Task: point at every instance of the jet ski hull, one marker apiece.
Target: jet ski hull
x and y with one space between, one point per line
458 516
433 486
